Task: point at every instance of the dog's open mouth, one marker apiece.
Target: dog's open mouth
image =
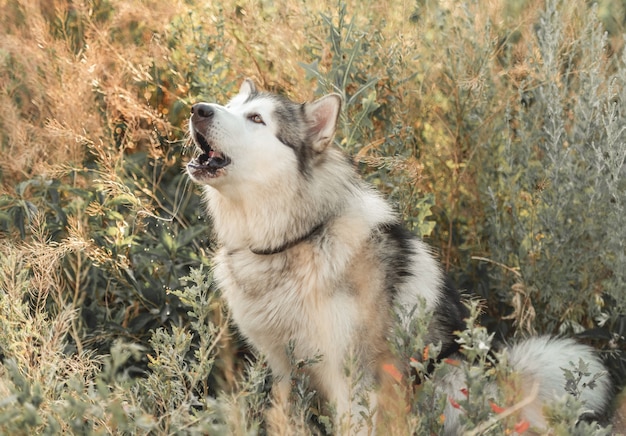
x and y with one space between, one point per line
210 161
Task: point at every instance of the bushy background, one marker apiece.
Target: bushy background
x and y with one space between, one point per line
498 130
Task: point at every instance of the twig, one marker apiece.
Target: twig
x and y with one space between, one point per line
501 265
507 412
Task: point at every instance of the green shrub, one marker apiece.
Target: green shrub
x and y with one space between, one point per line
553 180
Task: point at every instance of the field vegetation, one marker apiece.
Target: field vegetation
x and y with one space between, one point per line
497 129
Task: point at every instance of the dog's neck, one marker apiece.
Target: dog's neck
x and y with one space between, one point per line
289 244
271 216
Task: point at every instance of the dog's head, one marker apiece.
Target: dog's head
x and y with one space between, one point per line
257 136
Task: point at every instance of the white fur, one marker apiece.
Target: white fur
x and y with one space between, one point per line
427 282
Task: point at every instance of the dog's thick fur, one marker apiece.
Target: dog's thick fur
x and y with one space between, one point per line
313 258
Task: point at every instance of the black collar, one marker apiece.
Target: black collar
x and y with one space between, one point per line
289 244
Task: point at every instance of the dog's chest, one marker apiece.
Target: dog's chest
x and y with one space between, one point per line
278 300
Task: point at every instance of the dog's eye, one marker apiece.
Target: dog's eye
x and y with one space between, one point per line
256 118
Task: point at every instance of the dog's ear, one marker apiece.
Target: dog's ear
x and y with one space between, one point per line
247 88
322 116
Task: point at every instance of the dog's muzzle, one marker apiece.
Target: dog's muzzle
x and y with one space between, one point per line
210 161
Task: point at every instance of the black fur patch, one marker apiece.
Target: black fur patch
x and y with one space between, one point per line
397 255
449 316
449 313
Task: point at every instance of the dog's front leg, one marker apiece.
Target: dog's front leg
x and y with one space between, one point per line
278 413
355 410
356 418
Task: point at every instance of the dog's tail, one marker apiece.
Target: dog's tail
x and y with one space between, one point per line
556 367
545 370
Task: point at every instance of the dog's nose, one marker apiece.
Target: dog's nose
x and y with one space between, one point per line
202 110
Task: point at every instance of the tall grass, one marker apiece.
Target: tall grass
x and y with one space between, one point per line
496 128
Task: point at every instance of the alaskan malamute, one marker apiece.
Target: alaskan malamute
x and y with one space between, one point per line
312 259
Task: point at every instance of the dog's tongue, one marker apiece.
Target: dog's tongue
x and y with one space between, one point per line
216 159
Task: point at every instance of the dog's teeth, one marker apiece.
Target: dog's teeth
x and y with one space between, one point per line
203 158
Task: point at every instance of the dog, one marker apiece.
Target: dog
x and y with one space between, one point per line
314 262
